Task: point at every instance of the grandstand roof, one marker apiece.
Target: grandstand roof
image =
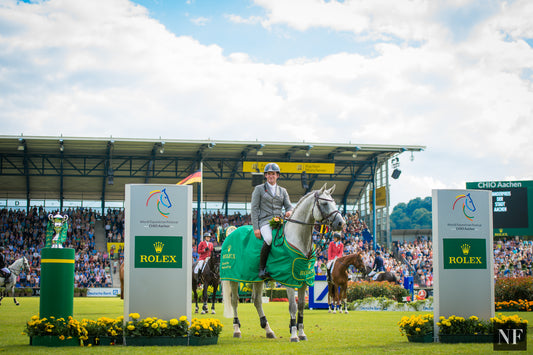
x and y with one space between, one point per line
73 168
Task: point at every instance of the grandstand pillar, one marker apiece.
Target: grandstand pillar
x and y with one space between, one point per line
57 283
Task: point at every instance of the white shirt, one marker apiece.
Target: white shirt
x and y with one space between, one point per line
272 188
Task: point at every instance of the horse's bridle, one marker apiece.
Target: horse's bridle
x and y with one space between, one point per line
322 213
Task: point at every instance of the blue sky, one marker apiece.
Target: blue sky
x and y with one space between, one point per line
452 75
210 22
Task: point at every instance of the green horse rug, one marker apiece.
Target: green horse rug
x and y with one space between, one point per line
239 260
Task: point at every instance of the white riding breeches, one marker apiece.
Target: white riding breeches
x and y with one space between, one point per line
200 265
266 233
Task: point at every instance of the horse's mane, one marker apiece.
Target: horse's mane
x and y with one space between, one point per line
300 201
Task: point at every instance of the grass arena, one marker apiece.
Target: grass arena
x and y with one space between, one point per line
359 332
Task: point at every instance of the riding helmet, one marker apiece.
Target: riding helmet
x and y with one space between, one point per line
272 167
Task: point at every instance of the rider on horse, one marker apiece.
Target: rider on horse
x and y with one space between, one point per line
204 250
335 250
3 266
379 264
268 200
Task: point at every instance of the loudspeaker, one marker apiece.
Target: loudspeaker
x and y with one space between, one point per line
396 173
257 179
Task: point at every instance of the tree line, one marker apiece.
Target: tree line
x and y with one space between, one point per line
416 214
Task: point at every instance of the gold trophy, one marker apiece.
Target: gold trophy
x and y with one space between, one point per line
59 225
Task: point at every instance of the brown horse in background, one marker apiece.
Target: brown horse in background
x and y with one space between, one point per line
338 284
121 273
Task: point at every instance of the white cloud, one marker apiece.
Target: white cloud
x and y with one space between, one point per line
200 21
252 20
406 19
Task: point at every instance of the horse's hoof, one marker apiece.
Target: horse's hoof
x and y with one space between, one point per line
302 337
204 312
329 310
334 312
213 312
271 336
345 312
237 335
295 340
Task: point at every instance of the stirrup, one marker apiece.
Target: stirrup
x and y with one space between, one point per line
264 275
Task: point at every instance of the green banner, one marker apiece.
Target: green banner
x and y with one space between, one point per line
460 253
158 252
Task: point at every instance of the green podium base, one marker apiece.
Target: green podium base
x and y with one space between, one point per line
57 283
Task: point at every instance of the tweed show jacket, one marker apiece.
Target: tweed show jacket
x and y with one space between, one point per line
265 206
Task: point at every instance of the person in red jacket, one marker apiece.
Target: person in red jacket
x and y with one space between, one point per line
335 250
204 251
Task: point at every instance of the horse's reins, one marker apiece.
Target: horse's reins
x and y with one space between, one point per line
320 223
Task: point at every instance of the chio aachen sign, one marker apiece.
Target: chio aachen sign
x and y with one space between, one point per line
510 206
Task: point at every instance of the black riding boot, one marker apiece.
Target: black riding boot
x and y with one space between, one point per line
265 251
329 275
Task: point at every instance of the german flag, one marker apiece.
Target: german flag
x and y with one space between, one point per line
191 179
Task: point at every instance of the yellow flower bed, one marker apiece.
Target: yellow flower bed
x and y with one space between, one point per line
520 305
104 326
508 322
152 326
60 327
135 327
207 327
416 325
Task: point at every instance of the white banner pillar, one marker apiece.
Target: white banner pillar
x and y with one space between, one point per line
158 251
463 280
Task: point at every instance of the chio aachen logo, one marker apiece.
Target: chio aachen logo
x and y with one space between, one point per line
162 201
468 205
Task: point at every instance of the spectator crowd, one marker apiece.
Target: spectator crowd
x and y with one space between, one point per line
23 234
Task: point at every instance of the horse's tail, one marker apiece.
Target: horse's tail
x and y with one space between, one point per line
226 299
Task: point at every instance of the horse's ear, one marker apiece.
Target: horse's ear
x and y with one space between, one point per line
323 188
331 189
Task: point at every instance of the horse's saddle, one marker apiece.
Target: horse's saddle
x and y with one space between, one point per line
6 278
239 260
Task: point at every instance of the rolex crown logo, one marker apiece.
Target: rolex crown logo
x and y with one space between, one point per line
465 248
158 246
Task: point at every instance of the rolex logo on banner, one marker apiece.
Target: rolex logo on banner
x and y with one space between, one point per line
464 253
158 252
